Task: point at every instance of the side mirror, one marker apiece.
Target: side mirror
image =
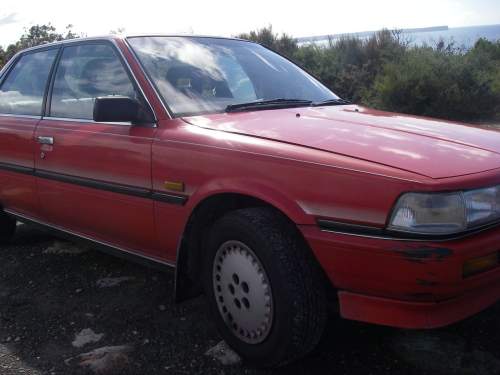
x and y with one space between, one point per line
117 109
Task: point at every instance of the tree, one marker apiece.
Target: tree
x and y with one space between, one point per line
284 43
34 36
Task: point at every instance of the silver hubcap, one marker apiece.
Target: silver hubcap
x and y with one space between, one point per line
243 292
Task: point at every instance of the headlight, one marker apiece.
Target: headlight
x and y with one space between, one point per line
445 213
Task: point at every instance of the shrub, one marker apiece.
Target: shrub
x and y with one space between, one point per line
385 72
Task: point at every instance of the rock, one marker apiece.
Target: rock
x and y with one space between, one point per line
109 282
63 247
224 354
108 359
86 336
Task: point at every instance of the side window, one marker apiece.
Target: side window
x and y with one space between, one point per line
84 73
23 89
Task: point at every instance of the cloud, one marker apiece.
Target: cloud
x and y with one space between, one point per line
8 19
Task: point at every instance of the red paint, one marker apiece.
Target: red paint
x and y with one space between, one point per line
116 154
17 147
335 163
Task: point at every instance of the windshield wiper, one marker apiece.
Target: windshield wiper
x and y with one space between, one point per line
268 104
331 102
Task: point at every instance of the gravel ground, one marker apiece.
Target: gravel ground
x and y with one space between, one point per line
65 309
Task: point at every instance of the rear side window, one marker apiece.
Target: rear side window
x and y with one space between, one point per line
84 73
23 89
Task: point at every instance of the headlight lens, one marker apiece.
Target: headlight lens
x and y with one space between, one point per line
445 213
482 206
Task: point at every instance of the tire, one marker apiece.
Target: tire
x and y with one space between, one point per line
7 228
273 317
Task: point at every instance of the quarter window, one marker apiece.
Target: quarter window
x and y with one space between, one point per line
84 73
23 90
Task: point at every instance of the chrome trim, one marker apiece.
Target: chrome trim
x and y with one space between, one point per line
20 116
378 237
153 86
185 36
8 65
85 237
45 140
69 41
388 237
135 78
86 121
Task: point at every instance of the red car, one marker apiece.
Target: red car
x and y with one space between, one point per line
265 190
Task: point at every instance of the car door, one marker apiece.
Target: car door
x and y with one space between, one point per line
22 91
95 178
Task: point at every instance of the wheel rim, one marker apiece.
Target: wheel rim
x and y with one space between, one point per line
243 292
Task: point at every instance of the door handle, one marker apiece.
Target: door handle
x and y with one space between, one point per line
45 140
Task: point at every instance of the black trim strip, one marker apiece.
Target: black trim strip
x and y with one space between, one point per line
169 198
383 233
16 168
94 184
99 185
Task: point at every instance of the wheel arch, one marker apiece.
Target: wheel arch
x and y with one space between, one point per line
206 211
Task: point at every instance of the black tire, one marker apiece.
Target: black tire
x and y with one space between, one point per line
299 311
7 228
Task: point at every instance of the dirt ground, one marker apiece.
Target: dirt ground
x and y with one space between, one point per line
65 309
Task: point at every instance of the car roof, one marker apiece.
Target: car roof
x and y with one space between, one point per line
112 37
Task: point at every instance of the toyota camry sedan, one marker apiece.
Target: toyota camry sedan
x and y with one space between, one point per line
266 191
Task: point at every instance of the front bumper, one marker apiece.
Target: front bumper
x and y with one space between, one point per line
406 284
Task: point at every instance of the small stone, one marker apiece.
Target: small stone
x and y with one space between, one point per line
224 354
109 359
86 336
17 339
162 307
109 282
63 247
79 290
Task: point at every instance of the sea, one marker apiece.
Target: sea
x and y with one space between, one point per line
464 37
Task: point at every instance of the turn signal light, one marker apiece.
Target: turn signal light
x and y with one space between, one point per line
481 264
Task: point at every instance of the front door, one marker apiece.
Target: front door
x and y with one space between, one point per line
95 178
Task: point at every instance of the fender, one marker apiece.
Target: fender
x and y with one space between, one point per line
254 188
247 187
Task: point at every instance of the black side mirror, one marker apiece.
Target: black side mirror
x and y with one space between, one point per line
118 109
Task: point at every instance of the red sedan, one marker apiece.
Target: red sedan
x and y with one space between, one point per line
266 191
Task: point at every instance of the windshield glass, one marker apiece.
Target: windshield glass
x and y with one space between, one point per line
196 75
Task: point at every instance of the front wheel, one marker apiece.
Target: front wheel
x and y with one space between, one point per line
264 288
7 228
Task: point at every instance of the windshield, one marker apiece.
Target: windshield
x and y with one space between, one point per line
196 75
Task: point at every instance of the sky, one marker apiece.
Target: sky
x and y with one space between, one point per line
231 17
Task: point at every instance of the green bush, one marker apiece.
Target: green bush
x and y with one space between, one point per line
385 72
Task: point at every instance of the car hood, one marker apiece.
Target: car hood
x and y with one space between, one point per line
432 148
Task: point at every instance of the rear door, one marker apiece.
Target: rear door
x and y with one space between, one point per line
22 90
95 178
